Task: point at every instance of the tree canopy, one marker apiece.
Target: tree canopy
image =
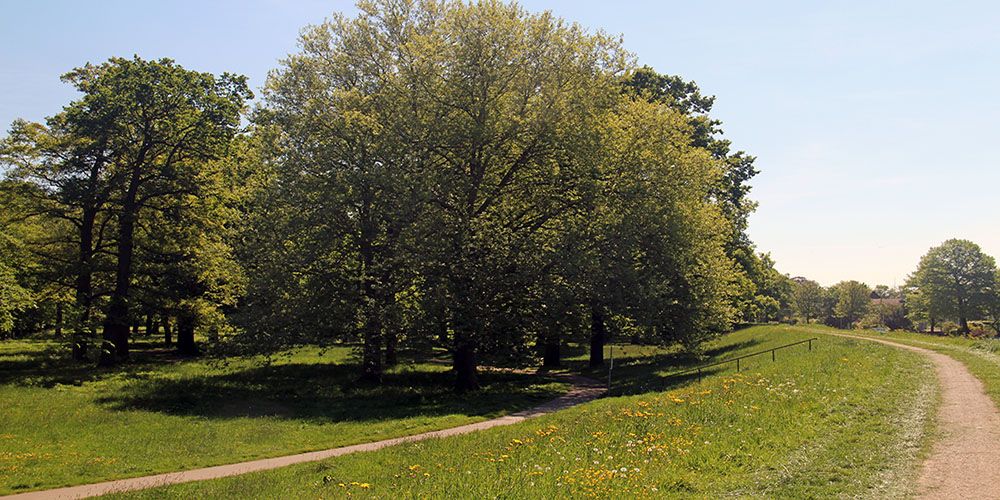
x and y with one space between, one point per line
955 280
473 177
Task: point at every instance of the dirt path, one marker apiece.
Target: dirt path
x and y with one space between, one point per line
583 390
965 460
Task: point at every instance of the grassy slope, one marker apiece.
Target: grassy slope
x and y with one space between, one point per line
847 419
63 424
980 356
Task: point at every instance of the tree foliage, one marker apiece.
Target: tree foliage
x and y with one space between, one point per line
955 281
809 300
426 173
119 166
853 300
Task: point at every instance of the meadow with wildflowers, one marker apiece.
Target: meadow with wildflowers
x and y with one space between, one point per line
850 418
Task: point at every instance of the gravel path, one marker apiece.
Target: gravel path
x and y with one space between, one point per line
964 462
583 390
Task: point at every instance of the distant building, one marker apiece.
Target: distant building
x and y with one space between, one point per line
881 301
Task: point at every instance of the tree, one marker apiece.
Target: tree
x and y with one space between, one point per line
472 175
993 305
335 104
853 300
69 170
921 311
888 314
955 281
162 124
185 266
808 298
15 297
757 299
506 106
673 275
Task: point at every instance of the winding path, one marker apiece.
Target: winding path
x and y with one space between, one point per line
964 462
582 390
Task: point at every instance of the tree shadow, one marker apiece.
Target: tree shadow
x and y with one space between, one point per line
662 372
53 365
325 393
45 368
328 392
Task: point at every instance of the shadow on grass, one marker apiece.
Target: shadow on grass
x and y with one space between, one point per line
324 393
52 365
637 375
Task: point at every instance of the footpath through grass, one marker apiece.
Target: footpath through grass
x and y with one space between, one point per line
850 418
63 424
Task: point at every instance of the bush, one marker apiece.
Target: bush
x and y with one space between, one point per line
949 327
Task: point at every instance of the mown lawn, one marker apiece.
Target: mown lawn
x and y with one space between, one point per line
851 418
62 423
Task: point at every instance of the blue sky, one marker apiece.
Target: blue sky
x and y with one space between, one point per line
874 125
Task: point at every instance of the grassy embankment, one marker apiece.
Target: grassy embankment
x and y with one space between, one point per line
980 355
850 418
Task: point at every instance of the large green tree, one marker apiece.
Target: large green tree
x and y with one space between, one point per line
68 165
506 106
853 300
757 296
955 280
159 125
336 104
808 299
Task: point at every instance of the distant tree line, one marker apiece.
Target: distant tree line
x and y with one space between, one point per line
953 290
473 177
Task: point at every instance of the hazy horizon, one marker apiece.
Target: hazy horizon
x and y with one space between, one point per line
871 124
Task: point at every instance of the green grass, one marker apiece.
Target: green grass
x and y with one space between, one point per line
851 418
980 355
63 424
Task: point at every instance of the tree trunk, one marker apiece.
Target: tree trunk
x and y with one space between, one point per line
466 378
59 319
391 343
371 331
932 324
371 355
552 356
466 327
149 324
135 328
116 324
598 334
84 284
963 323
165 322
115 346
185 334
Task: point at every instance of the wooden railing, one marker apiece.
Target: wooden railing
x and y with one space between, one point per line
700 369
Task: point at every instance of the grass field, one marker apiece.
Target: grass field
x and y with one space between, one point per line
63 423
980 355
851 418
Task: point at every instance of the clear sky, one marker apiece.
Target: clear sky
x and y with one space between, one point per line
874 122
